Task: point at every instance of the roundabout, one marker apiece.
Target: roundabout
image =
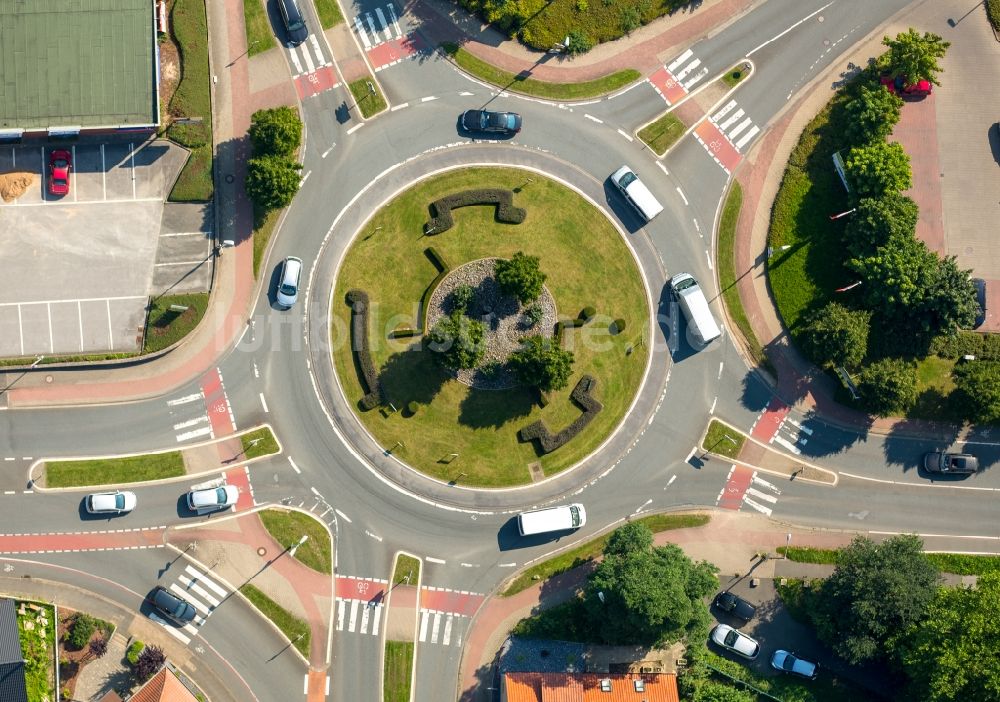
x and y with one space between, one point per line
444 422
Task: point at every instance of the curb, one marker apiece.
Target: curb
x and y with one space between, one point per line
416 623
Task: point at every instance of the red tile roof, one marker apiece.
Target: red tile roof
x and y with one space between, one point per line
587 687
163 687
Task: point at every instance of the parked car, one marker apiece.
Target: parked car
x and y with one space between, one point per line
790 663
288 282
736 606
295 23
222 497
60 165
897 85
118 502
950 463
980 285
174 608
736 641
494 122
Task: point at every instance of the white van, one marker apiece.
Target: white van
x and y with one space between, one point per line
692 301
636 192
552 519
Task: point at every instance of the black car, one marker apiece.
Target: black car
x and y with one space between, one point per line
950 463
736 606
980 285
295 23
493 122
174 608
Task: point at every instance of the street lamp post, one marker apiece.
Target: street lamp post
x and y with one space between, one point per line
788 541
291 552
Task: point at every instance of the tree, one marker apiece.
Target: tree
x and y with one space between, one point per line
875 593
275 132
149 663
876 220
951 302
915 56
873 113
272 181
837 335
889 386
954 653
458 341
542 364
978 383
520 276
81 630
878 168
711 691
579 42
645 594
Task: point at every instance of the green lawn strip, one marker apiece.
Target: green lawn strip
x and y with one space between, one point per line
964 563
530 86
734 75
805 554
259 442
934 387
288 527
727 271
368 102
481 426
406 566
47 360
38 652
112 471
661 134
297 630
165 327
723 439
329 13
592 549
260 38
192 99
263 228
398 671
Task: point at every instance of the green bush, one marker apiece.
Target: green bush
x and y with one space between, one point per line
458 341
581 395
984 347
587 313
272 181
993 13
978 388
81 630
412 407
889 386
534 315
134 649
617 326
462 297
275 132
520 276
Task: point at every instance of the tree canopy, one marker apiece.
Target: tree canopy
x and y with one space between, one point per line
889 386
915 56
875 593
978 383
878 168
520 276
954 654
837 335
645 594
542 364
877 220
873 113
275 132
272 181
458 341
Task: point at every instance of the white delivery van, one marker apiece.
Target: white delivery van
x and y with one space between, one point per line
692 302
636 192
552 519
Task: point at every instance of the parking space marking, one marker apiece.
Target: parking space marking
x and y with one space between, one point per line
72 173
89 202
131 155
111 333
79 316
48 312
20 328
104 174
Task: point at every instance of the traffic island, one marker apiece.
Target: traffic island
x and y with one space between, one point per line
401 629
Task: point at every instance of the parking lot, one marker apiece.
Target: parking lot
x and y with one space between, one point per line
79 266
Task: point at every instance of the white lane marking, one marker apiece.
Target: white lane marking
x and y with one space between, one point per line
466 93
198 604
709 259
424 616
305 685
627 136
435 560
376 619
807 430
374 536
762 495
200 577
719 376
778 36
446 638
193 586
399 107
680 59
918 485
681 193
712 408
294 467
639 508
177 634
428 98
363 629
341 607
295 61
353 621
361 32
385 25
204 431
263 402
304 178
747 137
191 422
506 565
355 128
315 492
787 444
663 168
670 482
759 507
593 119
327 152
342 516
436 628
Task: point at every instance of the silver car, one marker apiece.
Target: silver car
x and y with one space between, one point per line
288 282
118 502
222 497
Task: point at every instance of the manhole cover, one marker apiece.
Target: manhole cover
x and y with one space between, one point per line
48 379
820 18
262 551
230 178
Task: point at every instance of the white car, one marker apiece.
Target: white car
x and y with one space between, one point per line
222 497
736 641
118 502
288 282
790 663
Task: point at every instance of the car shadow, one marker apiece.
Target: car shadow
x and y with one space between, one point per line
625 213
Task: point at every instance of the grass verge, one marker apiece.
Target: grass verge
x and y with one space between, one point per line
192 99
804 554
663 133
288 527
329 13
291 626
592 549
85 358
398 671
260 442
38 651
734 75
263 227
370 103
258 26
165 327
723 439
529 86
964 563
407 570
727 272
111 471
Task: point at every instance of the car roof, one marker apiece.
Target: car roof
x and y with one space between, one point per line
292 267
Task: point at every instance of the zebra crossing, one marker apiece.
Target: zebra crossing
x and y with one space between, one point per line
359 617
733 122
202 592
191 417
744 486
313 71
725 133
791 435
383 39
675 80
445 628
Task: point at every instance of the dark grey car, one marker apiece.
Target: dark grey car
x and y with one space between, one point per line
174 608
950 463
736 606
494 122
295 23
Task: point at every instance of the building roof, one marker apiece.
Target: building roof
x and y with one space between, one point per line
590 687
163 687
12 685
85 63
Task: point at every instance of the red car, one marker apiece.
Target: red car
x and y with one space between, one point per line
60 164
898 86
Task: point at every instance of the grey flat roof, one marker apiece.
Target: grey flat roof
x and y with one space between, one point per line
82 63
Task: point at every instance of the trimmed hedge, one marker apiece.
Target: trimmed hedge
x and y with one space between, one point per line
617 326
442 221
404 333
587 313
993 13
443 270
985 347
437 259
537 431
358 300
